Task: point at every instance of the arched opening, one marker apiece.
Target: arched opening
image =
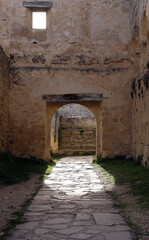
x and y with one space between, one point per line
73 130
91 101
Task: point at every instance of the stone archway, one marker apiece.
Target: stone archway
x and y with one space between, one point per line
54 102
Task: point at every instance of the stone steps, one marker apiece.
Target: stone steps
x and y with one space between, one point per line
78 132
79 142
78 135
77 129
77 147
77 152
81 133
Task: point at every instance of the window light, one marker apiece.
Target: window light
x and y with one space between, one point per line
39 20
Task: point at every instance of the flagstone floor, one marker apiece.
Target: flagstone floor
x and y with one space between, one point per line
72 204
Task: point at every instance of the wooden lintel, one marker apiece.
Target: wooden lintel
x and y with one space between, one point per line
81 97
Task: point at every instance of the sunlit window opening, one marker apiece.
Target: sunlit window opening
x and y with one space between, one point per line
39 20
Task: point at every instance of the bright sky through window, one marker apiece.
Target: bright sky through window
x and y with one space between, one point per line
39 20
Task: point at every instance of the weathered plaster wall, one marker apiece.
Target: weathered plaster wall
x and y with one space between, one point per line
75 110
140 80
85 49
4 100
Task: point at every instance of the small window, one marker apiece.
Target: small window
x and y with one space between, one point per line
39 20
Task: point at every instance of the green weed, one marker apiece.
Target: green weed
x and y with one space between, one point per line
128 171
14 170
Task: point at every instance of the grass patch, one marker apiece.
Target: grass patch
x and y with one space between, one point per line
119 171
119 204
126 171
15 170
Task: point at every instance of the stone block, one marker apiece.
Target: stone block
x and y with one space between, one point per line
108 219
71 230
28 225
81 236
118 236
56 221
41 231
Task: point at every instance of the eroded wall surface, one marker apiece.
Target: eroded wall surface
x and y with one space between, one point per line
4 100
85 49
5 25
140 80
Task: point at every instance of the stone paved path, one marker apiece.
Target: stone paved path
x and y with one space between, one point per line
72 205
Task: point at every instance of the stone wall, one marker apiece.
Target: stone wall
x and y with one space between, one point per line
77 134
77 122
85 49
4 100
140 80
70 121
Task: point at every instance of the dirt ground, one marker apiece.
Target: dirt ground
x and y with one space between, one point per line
13 196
